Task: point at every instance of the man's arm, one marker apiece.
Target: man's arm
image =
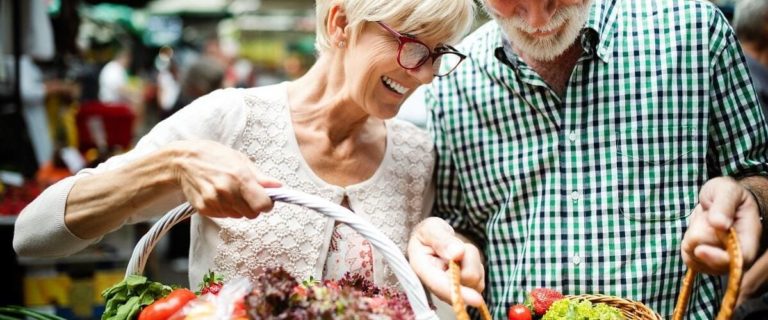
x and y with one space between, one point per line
737 148
755 280
758 186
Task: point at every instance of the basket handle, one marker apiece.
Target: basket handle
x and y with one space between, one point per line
734 280
405 275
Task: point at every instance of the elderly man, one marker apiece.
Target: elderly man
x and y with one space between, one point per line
594 147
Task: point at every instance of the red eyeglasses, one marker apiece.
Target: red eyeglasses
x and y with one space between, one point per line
412 54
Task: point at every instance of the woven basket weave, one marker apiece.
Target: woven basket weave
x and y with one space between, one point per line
632 310
397 262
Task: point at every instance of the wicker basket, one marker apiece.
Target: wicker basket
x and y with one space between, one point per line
405 275
634 310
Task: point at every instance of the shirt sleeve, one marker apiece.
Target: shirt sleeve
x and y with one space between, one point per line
449 194
40 229
738 131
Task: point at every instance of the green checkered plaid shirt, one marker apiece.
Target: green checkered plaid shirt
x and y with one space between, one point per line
591 192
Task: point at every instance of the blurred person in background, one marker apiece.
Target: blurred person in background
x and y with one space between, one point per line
204 76
750 21
37 46
225 52
329 133
114 87
168 87
118 89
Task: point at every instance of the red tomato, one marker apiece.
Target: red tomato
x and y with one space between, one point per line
164 308
519 312
240 312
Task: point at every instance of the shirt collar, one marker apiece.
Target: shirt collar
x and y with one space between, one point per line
599 30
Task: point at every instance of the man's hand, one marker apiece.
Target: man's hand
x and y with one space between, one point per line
755 280
723 203
432 245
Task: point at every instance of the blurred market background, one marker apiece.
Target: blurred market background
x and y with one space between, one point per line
80 80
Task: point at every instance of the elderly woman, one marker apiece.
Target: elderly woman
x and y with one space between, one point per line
328 133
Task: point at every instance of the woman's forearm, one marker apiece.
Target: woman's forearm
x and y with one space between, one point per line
103 202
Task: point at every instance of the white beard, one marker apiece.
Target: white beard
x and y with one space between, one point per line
569 20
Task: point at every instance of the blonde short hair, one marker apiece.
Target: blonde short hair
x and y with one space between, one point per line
435 19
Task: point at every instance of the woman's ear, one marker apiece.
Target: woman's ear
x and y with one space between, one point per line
337 25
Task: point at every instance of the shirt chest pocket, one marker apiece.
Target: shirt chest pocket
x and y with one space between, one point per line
658 170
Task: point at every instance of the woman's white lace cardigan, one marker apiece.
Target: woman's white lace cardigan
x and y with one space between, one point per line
257 122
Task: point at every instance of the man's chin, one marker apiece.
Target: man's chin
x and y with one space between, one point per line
544 50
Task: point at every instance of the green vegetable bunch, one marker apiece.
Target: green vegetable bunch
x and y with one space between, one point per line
125 299
578 309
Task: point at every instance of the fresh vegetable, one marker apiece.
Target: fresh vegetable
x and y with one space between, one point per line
581 309
18 312
212 283
541 298
124 300
519 312
164 308
277 295
240 312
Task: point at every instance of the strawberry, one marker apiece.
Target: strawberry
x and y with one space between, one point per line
212 284
541 298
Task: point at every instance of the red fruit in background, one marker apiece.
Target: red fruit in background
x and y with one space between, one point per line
541 299
212 284
519 312
213 288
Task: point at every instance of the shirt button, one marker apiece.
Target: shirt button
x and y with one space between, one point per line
572 136
576 260
575 195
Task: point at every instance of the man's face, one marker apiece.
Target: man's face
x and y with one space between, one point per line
540 29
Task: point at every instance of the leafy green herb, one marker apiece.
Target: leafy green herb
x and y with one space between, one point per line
125 299
578 309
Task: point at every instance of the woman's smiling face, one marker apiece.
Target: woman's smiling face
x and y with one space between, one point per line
377 81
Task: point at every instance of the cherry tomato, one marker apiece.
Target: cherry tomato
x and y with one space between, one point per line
519 312
164 308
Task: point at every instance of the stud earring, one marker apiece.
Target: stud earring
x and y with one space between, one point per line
342 44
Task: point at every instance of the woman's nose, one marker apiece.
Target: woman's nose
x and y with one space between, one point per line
424 74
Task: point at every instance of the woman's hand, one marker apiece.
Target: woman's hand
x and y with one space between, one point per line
220 182
432 245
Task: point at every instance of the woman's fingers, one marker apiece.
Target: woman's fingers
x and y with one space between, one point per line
221 182
256 199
